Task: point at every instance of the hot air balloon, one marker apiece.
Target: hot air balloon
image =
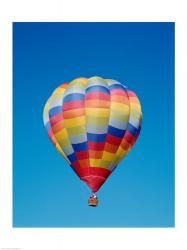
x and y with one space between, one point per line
93 123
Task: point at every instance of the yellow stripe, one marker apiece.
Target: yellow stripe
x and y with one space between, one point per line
120 107
57 96
74 122
135 106
104 164
94 162
120 152
81 82
62 153
77 130
136 114
97 112
61 137
64 143
99 121
108 156
121 116
60 91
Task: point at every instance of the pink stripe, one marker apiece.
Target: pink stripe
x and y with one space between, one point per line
118 92
131 94
56 118
97 95
73 105
51 136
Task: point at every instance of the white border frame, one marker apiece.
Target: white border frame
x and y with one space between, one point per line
118 10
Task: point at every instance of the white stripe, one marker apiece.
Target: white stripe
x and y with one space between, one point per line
68 150
74 90
78 138
96 129
118 124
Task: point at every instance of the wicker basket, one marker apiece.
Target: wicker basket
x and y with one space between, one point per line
93 201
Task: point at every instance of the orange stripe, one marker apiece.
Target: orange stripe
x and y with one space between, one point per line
57 127
120 99
63 85
84 163
95 154
134 99
73 113
125 145
110 147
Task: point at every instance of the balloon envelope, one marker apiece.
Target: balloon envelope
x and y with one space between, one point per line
93 123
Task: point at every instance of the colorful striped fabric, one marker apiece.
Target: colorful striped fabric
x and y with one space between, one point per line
93 123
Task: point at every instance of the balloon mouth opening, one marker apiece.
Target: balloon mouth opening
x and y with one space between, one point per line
93 182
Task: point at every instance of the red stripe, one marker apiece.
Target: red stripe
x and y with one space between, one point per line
96 145
75 165
82 155
129 137
102 172
73 105
97 95
113 140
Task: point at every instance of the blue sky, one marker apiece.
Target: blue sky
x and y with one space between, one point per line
140 192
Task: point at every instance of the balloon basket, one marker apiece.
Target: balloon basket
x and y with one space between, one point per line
93 201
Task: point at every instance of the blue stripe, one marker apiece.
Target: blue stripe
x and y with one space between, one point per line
139 129
72 157
73 97
54 111
48 126
80 146
116 131
96 137
131 129
97 88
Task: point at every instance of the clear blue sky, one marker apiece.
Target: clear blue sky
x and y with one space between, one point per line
140 192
